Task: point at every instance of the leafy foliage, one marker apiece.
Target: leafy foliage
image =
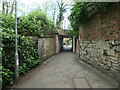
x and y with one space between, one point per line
7 21
36 24
7 76
73 32
28 56
82 10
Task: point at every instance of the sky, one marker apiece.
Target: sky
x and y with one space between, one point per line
26 6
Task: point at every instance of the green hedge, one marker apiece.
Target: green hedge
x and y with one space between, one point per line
28 56
34 24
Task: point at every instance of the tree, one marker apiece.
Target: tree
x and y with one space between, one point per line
62 9
8 6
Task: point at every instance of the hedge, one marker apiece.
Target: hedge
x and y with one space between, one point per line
34 24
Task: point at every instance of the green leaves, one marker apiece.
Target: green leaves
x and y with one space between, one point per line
82 10
28 56
7 21
73 32
35 24
7 76
27 49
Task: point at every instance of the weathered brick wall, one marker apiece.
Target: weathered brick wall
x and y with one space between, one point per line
99 41
46 48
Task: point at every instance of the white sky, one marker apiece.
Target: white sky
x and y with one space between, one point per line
30 5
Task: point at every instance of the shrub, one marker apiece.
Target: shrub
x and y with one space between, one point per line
7 77
8 21
28 56
36 24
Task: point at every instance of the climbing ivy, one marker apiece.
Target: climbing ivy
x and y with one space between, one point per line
28 56
73 32
82 10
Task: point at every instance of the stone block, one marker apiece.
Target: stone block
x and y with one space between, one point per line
107 68
117 54
104 57
118 48
115 66
115 59
117 42
111 42
104 62
111 52
102 45
109 63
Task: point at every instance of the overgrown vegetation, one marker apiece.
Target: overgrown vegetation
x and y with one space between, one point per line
34 25
82 10
73 33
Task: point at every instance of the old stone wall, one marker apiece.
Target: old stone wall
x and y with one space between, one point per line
99 41
46 48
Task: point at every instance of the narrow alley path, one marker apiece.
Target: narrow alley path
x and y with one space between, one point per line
59 71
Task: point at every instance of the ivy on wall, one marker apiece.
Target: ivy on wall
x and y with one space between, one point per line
28 56
82 10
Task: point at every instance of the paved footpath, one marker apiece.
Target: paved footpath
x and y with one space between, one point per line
59 71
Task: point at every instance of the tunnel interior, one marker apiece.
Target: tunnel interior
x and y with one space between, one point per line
66 43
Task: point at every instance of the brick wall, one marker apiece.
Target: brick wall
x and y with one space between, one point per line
99 41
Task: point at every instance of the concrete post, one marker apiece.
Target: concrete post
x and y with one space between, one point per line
73 43
16 46
57 44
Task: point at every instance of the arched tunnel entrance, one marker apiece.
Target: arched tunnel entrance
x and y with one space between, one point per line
65 43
